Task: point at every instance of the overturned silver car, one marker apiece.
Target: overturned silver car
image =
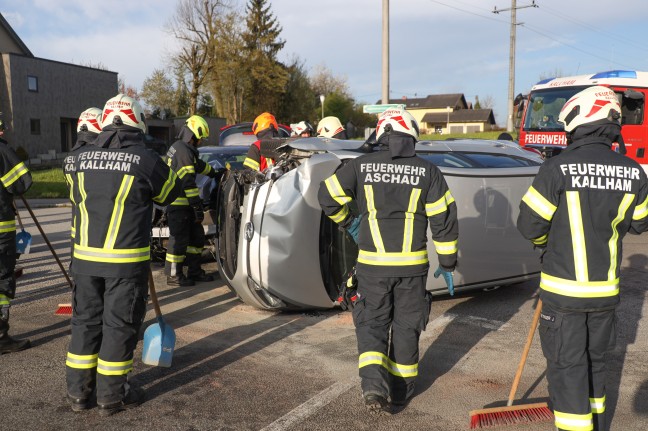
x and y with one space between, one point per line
278 251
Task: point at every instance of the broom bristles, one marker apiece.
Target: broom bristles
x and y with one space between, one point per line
500 416
64 310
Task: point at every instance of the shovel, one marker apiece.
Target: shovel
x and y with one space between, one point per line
159 338
23 238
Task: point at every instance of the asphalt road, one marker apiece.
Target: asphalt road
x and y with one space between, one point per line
238 368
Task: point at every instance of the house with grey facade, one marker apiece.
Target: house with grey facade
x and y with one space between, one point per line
41 99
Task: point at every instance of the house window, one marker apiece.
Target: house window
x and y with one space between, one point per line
34 125
32 83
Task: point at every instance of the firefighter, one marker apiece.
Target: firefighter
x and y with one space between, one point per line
186 214
396 194
265 126
16 180
303 129
114 184
331 127
88 128
578 209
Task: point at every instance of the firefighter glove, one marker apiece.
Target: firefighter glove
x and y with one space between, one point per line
447 275
217 173
199 214
353 229
347 294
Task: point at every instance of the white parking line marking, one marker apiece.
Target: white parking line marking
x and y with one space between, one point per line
311 406
320 400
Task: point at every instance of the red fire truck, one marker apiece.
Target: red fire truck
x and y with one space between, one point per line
540 129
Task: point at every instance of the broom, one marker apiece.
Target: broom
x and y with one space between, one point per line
509 415
63 309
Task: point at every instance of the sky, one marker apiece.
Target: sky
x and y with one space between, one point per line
436 46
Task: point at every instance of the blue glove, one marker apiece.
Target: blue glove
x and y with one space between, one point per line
354 229
447 275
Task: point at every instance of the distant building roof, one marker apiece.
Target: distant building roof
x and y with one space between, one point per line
461 116
433 101
4 25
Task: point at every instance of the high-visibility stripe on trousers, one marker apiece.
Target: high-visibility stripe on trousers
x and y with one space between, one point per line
107 315
186 241
575 344
399 304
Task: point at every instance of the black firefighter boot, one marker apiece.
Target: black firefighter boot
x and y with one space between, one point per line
179 279
8 344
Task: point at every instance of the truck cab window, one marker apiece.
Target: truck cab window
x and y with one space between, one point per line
632 107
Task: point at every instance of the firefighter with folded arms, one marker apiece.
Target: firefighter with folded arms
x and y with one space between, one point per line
15 179
397 194
186 214
265 126
578 209
114 184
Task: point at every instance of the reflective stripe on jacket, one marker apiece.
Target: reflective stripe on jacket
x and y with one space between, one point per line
580 206
396 198
185 160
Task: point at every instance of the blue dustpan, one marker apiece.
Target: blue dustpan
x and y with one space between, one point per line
159 338
159 342
23 242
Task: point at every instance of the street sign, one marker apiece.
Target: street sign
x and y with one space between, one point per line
379 109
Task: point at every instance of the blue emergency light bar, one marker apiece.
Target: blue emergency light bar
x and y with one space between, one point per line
616 74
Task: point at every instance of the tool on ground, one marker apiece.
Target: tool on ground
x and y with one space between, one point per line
159 338
23 238
63 309
510 415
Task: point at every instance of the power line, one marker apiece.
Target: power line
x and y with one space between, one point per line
535 30
560 14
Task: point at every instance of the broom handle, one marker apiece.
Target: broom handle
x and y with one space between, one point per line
40 229
154 300
18 215
525 353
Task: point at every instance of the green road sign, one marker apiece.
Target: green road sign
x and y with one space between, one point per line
379 109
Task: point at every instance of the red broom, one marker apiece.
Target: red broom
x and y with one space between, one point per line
510 414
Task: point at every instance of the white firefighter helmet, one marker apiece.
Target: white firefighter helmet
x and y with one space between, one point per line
397 120
89 120
592 104
123 110
302 127
329 127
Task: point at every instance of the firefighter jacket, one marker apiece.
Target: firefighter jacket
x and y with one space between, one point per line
580 206
83 138
16 180
254 159
184 159
395 199
114 184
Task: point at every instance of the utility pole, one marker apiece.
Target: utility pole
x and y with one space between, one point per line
385 52
511 83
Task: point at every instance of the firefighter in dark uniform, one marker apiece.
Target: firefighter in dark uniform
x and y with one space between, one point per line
115 182
397 193
185 214
15 179
579 208
265 126
88 128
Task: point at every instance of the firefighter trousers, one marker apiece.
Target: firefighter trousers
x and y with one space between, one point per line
399 305
7 265
107 316
575 344
186 242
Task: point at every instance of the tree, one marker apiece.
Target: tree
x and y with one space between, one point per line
338 105
159 93
229 81
127 89
195 24
299 101
324 82
268 77
486 102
